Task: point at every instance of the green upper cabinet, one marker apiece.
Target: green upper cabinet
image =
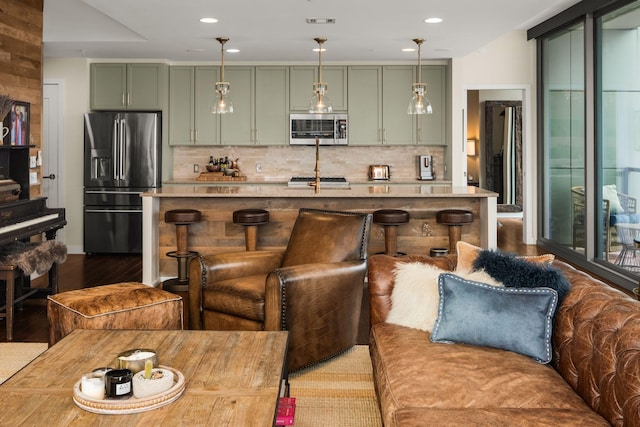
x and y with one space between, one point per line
399 127
272 105
431 128
378 100
237 128
302 79
127 86
191 91
365 102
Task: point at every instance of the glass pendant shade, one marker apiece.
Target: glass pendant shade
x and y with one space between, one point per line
320 103
419 104
222 103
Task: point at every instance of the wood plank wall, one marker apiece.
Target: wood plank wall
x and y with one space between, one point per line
21 63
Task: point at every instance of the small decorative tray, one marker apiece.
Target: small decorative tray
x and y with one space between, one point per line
131 405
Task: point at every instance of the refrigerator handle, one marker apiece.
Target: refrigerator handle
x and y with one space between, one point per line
115 149
121 148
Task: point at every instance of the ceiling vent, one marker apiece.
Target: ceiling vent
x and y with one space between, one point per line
321 20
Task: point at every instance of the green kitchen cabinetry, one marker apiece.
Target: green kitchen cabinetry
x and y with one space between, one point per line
260 98
191 91
431 128
237 128
272 105
302 79
378 100
117 86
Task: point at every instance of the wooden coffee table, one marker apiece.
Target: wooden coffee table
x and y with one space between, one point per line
232 378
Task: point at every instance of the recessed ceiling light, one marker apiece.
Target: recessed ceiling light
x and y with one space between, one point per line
315 49
433 20
209 20
409 49
232 50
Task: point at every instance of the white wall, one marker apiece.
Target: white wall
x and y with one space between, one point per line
509 62
75 74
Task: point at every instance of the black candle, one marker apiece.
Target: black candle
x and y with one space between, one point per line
118 383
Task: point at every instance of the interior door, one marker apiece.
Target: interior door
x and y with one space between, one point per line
51 156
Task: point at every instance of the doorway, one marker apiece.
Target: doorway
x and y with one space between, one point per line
502 153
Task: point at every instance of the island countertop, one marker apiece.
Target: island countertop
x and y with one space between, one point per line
281 190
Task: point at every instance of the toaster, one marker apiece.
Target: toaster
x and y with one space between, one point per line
379 172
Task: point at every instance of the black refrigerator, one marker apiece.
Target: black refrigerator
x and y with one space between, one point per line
122 159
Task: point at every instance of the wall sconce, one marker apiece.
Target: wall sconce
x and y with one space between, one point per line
471 147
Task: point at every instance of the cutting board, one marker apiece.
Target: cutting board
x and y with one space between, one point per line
219 176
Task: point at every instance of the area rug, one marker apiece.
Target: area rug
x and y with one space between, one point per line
339 392
15 355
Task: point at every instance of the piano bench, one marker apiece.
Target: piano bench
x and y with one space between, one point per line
20 258
119 306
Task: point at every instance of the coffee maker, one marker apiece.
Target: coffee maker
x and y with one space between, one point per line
425 168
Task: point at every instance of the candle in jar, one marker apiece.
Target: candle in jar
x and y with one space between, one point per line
93 386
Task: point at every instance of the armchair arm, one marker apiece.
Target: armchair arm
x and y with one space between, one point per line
213 268
319 304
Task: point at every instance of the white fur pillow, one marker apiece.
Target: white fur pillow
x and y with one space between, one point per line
415 298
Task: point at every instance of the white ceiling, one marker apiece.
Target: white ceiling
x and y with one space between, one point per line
275 30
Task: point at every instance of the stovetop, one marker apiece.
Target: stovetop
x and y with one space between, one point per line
325 181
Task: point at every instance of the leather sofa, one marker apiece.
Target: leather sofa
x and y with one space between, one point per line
593 379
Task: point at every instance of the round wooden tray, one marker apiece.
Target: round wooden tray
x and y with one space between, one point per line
131 405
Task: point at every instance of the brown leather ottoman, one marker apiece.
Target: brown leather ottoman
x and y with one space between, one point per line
118 306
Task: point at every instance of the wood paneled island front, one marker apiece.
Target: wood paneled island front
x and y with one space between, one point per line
217 233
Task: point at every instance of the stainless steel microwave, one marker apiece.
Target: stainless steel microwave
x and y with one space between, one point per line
330 129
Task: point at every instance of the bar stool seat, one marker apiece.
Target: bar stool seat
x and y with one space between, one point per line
454 218
251 219
390 219
182 218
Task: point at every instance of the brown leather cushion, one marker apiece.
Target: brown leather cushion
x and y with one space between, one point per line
251 216
390 216
454 217
182 216
431 375
242 297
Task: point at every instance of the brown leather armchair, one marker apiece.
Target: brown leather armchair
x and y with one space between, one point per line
313 288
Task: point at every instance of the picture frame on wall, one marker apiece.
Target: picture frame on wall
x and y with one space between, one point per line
15 128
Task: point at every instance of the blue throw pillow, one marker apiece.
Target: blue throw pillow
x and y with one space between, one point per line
514 319
519 273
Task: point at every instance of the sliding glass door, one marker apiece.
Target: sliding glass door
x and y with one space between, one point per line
589 130
618 136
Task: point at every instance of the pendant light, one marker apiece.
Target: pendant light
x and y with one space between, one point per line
222 104
320 103
419 103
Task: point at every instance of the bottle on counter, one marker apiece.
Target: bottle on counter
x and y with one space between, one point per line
211 163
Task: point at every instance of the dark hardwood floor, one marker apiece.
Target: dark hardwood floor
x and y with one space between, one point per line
80 271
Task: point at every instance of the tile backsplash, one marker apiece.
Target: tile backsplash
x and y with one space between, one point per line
279 163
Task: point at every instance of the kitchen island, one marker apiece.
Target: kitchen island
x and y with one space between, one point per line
217 233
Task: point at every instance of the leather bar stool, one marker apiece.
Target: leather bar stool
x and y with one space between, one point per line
251 219
182 218
390 219
454 218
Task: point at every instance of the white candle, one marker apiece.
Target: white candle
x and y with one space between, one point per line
93 386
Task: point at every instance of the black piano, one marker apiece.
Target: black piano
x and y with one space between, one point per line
21 219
